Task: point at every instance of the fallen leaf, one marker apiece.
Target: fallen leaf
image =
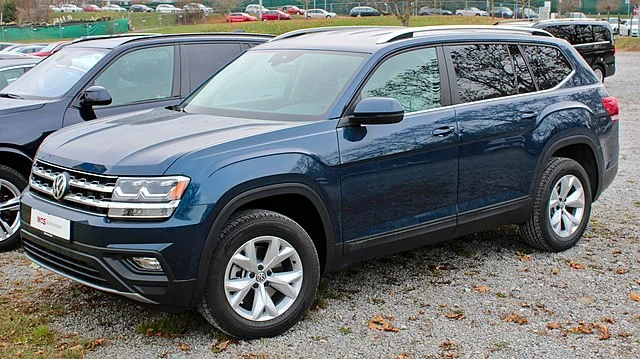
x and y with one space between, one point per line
616 252
221 346
523 257
404 355
609 320
482 289
456 315
621 271
78 347
576 265
184 347
94 343
634 296
555 271
514 318
604 331
553 325
382 323
582 328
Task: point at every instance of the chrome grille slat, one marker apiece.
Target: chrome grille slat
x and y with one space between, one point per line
74 182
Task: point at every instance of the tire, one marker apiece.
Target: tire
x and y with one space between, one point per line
11 185
258 230
538 231
599 73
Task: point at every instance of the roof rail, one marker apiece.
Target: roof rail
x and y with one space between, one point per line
313 30
409 32
94 37
136 36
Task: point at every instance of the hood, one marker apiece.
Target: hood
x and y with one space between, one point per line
10 106
145 143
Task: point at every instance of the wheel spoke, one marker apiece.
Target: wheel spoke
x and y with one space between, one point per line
269 307
11 205
555 220
554 201
239 284
275 257
237 298
258 302
575 221
576 199
568 224
247 262
281 282
565 185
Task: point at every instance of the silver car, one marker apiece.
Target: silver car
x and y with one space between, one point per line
320 14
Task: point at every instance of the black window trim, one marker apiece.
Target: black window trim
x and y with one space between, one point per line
445 90
453 85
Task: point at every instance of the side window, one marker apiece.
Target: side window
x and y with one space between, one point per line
140 75
584 34
411 77
524 80
203 60
567 32
601 33
548 64
483 71
8 76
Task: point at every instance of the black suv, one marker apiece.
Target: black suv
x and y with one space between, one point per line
95 78
319 149
593 40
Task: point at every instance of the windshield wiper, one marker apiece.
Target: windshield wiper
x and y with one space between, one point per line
11 95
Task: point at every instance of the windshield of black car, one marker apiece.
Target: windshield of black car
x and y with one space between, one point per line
57 74
277 85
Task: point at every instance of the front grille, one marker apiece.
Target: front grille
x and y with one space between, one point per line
76 268
87 192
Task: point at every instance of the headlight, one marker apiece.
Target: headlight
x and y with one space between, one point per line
147 197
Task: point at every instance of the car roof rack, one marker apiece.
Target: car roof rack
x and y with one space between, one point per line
409 32
137 36
314 30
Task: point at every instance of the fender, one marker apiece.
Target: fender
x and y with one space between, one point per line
333 250
25 160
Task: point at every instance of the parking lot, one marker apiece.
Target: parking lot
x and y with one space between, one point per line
486 295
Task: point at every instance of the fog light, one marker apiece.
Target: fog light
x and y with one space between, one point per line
147 263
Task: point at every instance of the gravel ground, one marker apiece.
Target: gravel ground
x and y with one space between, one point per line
485 295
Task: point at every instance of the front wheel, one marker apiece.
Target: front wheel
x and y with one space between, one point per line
561 207
11 185
263 275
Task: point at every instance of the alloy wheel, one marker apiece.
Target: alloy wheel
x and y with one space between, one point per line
566 206
9 209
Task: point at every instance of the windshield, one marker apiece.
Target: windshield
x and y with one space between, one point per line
55 75
278 85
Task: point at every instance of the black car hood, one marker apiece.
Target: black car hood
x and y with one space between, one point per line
9 105
145 143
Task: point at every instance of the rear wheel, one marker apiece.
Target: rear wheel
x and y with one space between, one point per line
11 185
561 208
263 275
599 73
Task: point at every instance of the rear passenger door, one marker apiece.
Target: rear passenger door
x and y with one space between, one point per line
400 179
201 60
496 111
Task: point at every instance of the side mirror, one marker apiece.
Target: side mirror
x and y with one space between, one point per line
95 96
378 111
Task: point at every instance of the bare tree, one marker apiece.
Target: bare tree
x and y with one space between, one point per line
305 3
401 9
607 6
570 5
229 5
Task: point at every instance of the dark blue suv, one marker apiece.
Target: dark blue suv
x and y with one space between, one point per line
319 149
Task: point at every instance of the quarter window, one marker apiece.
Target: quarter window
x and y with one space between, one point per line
601 33
483 71
411 77
524 79
548 64
141 75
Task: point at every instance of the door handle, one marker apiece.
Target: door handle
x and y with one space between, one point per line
527 115
443 131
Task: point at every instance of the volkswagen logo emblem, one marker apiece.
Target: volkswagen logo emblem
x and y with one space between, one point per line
60 184
261 277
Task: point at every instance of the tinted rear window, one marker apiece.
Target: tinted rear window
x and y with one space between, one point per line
548 64
601 33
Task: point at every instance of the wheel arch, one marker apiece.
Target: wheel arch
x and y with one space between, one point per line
276 197
17 160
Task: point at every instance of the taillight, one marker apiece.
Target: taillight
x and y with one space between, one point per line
611 105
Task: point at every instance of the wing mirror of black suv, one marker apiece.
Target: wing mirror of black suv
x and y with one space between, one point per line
377 111
95 96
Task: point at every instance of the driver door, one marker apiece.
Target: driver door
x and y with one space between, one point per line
137 80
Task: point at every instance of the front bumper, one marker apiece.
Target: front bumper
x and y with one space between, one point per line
99 251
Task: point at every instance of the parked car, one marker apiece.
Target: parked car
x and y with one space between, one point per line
54 8
140 8
10 70
254 9
113 8
195 7
90 8
614 22
593 40
502 12
240 17
238 199
527 14
426 10
70 8
4 45
168 9
95 78
320 14
292 10
471 11
50 49
629 28
25 49
364 11
275 15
